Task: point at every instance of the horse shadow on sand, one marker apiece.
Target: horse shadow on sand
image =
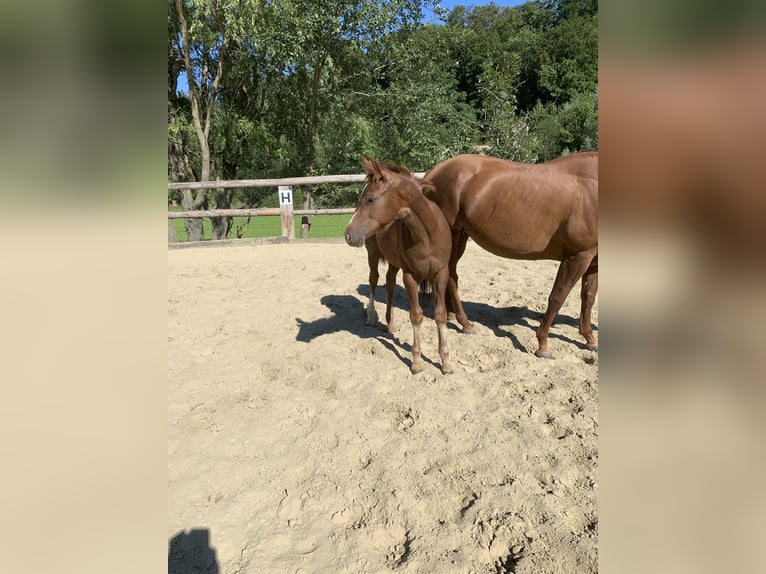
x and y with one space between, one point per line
498 319
350 315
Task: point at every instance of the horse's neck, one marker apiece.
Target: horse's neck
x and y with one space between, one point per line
420 219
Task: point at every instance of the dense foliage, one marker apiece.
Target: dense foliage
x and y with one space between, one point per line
308 86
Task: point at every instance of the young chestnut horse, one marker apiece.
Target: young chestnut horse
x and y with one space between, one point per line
413 236
527 211
374 257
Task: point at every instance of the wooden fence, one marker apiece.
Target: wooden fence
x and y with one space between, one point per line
284 191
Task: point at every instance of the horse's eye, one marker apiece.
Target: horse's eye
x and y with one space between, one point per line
370 200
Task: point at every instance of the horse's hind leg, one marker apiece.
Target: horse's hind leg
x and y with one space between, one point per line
570 271
390 285
588 297
416 318
373 256
454 307
462 318
440 316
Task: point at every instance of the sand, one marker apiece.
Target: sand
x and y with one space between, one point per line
299 441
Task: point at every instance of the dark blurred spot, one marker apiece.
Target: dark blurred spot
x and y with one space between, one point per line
190 553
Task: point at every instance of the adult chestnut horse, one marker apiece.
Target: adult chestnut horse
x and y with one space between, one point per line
527 211
412 235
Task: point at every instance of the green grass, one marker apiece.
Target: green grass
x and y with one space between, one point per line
271 226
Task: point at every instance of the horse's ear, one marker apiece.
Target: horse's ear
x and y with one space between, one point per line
371 166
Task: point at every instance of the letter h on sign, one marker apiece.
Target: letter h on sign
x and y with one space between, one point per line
285 195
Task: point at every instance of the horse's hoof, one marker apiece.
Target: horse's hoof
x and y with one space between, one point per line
417 367
470 331
592 347
447 369
543 354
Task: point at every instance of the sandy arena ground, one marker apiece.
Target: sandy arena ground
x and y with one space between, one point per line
299 442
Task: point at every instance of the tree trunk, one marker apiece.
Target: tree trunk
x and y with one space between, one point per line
193 227
181 171
222 225
205 95
308 200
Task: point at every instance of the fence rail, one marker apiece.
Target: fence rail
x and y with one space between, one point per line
199 214
285 211
306 180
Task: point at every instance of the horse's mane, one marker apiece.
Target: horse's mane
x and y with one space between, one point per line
398 169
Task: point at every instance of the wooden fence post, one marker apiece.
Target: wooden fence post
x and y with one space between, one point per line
286 210
305 226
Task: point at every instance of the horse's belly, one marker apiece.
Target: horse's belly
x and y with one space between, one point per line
512 245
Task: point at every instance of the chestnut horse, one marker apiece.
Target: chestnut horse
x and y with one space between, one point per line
412 235
374 257
527 211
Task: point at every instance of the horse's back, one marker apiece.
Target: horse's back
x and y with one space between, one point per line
582 165
520 210
465 166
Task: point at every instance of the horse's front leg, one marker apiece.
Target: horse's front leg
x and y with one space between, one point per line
373 256
440 316
390 286
416 318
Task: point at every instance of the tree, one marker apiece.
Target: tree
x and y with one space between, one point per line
201 41
329 33
571 127
198 43
487 44
559 51
415 110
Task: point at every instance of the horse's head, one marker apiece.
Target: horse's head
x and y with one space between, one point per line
383 199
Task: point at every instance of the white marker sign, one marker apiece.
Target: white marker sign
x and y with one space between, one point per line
285 195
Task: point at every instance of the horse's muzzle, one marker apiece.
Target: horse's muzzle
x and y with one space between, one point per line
354 241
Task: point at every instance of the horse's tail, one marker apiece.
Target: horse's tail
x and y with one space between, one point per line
425 293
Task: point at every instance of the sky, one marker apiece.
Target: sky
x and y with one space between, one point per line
450 4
